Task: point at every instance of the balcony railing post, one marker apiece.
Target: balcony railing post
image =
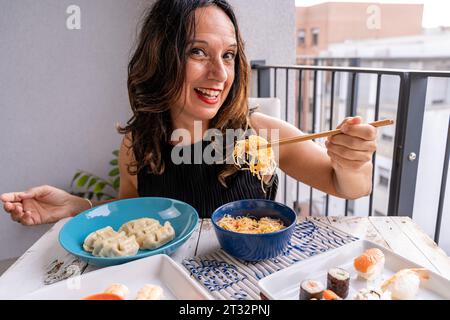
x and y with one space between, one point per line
263 90
437 230
410 114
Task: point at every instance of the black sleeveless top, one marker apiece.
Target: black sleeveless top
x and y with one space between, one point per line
198 184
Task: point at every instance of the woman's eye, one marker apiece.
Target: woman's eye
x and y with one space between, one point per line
198 52
229 56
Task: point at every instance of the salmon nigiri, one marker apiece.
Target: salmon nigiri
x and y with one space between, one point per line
370 264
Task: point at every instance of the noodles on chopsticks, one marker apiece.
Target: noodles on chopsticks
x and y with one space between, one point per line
253 154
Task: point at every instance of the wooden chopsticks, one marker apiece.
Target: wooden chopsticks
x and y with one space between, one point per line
306 137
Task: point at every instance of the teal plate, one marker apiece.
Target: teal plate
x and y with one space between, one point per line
183 217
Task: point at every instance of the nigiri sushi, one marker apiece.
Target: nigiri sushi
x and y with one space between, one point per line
115 291
404 285
118 289
150 292
370 264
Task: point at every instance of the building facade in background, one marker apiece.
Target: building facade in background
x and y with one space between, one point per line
321 25
345 34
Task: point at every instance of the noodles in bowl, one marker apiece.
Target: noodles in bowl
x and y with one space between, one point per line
254 229
250 225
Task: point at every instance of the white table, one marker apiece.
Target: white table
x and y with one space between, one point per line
46 261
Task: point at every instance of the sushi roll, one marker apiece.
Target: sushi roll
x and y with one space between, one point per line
310 289
404 285
338 280
370 264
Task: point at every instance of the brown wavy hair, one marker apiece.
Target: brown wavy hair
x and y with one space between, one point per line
156 74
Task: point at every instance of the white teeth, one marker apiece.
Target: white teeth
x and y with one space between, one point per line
210 93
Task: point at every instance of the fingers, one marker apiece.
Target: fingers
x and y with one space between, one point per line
16 211
363 131
346 163
12 197
27 219
29 194
12 207
349 154
18 214
354 143
350 121
355 146
353 126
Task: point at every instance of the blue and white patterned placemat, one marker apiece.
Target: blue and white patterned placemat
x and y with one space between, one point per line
228 278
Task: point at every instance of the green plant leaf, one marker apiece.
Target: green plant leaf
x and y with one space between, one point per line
116 183
99 187
92 182
75 178
116 153
114 162
114 172
82 181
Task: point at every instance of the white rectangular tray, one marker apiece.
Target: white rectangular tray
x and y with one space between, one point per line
285 284
160 270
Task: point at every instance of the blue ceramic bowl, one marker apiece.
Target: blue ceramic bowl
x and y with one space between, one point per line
182 216
255 247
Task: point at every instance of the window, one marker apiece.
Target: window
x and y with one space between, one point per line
383 181
351 207
383 177
438 101
315 36
301 37
387 137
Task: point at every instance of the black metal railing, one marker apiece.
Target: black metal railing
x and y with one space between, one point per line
409 122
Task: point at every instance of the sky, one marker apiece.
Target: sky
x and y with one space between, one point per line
436 12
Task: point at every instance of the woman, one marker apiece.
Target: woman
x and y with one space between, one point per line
189 67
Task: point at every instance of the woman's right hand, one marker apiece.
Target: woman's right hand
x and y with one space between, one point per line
41 205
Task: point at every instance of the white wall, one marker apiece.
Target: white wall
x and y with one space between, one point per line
62 91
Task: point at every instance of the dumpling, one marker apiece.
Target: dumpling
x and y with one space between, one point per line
108 243
159 237
100 234
149 233
150 292
117 246
136 227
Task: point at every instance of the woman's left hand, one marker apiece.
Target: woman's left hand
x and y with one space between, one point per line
354 147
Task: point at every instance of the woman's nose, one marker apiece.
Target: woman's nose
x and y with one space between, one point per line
218 71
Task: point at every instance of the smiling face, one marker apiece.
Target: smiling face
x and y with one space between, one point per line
210 68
